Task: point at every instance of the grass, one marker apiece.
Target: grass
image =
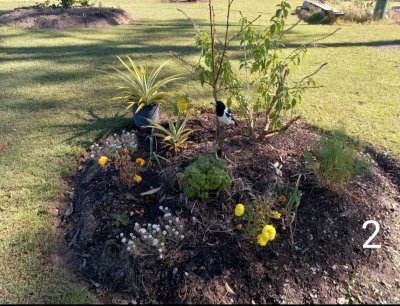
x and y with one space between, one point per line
53 103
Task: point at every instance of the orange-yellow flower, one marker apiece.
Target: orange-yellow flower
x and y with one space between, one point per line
140 161
182 105
239 210
275 214
103 160
262 239
269 231
137 178
282 198
125 151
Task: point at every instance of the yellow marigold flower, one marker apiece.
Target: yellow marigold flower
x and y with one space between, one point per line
137 178
102 160
262 239
140 162
282 198
182 105
275 214
125 151
239 209
269 231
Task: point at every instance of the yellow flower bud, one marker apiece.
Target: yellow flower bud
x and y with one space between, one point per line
239 210
182 105
102 160
275 214
137 178
140 162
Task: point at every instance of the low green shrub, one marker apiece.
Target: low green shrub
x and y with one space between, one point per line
121 219
204 175
336 160
318 17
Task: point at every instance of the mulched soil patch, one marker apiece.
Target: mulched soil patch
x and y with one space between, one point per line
216 264
35 17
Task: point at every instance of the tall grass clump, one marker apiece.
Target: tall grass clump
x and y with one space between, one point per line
336 160
357 11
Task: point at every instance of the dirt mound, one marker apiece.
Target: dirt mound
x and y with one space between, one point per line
394 13
35 17
217 264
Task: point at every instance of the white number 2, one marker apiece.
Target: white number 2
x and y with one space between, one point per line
367 244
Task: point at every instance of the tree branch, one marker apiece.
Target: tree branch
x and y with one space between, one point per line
241 31
212 33
186 64
226 39
273 132
313 73
195 25
312 42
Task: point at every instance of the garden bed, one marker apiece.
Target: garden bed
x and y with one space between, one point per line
35 17
215 262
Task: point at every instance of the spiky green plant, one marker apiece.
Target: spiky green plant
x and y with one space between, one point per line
142 86
173 137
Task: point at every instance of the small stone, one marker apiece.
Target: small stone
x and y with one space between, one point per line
342 301
174 271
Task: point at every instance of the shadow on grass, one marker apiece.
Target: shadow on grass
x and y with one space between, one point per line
132 39
95 125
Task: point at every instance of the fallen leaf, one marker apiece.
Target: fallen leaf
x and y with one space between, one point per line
69 210
229 289
151 191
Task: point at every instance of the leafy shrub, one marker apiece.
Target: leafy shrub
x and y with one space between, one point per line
337 160
84 2
267 71
318 17
67 3
204 175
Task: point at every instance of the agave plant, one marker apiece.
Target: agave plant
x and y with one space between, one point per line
173 137
141 85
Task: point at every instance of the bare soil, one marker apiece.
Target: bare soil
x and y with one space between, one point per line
35 17
217 263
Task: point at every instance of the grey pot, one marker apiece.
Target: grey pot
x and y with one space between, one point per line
147 112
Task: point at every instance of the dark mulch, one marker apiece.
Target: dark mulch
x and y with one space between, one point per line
59 18
327 263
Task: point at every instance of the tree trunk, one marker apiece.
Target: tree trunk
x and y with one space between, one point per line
380 9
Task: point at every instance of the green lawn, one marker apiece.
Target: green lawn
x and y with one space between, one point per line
53 102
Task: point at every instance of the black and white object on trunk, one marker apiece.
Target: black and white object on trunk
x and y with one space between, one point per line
223 113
